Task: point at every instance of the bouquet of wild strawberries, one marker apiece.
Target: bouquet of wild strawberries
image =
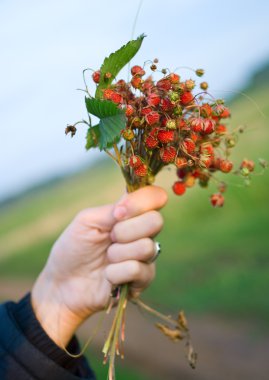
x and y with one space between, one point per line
146 125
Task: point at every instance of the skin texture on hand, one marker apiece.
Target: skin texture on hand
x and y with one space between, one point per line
103 246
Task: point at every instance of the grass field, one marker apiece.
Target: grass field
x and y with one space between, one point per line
213 260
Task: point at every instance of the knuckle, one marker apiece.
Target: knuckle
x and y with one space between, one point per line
134 270
156 220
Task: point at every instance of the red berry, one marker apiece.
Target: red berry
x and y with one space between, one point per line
164 84
151 142
165 136
181 162
250 165
153 100
166 105
174 78
221 129
96 76
168 154
206 110
141 171
137 70
146 110
225 113
225 166
197 124
205 160
186 98
208 126
108 93
179 188
129 110
136 82
116 98
188 145
135 161
207 148
152 118
217 200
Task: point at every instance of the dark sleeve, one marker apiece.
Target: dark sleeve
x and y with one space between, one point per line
27 353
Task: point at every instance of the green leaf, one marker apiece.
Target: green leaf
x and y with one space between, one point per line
93 137
101 108
110 128
112 121
116 61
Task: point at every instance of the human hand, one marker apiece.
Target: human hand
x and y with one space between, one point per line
102 247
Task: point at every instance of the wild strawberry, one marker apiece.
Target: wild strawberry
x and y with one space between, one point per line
186 98
189 84
151 142
207 149
182 125
181 162
208 126
129 110
217 200
188 145
204 86
152 118
153 100
194 137
168 154
116 98
225 113
225 166
96 76
181 173
121 84
171 124
108 93
197 124
174 78
127 134
205 160
206 110
164 84
221 129
165 136
137 70
141 170
146 110
136 82
250 165
166 105
135 161
179 188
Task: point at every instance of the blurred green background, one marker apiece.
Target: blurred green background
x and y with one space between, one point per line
214 262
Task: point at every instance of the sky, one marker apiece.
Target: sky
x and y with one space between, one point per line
45 45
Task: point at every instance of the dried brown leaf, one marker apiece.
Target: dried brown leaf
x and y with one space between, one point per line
174 334
182 321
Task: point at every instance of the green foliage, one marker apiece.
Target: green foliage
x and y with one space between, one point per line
116 61
112 121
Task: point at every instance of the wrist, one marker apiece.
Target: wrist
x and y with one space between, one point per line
57 320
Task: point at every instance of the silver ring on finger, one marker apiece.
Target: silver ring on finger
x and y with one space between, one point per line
157 252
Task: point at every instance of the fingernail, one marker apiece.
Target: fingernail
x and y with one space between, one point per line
120 212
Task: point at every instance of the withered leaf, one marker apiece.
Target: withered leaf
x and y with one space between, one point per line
174 334
182 320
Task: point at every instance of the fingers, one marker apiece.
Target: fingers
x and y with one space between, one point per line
131 271
146 225
140 201
141 250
